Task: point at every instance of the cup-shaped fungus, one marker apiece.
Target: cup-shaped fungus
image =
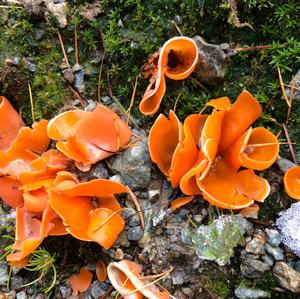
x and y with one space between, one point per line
10 124
177 59
125 276
291 181
93 203
88 137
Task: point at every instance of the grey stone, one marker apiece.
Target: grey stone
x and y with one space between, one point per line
248 293
68 75
16 282
159 217
284 164
3 273
213 61
12 61
274 238
253 268
106 100
65 291
116 178
97 289
275 252
91 106
29 64
288 225
123 240
39 34
188 291
133 165
21 295
79 80
256 245
268 259
178 277
76 68
296 83
58 10
131 217
296 266
135 233
198 218
99 171
153 195
185 235
287 277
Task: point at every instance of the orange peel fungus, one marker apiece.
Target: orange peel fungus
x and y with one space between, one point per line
177 60
211 149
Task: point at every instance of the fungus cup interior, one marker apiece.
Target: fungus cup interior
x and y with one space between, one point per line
177 60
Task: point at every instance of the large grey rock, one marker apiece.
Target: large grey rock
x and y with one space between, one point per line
288 224
287 277
212 62
248 293
97 289
253 268
133 165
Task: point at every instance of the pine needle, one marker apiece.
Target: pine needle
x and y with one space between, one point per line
106 220
63 49
132 99
75 43
176 101
31 103
100 77
283 88
138 207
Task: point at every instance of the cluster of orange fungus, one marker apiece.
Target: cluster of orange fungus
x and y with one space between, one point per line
177 60
291 181
88 137
215 155
125 276
49 200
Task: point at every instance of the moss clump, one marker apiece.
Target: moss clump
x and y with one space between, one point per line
217 285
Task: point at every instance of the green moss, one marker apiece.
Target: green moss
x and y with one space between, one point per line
217 285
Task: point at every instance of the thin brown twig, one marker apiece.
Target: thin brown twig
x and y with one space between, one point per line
132 98
286 132
255 48
177 27
82 100
198 83
107 292
138 207
63 49
75 43
176 101
292 86
291 100
282 88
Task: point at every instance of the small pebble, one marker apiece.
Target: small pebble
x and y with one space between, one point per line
21 295
135 233
274 238
275 252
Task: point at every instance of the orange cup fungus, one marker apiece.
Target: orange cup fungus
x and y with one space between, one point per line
125 276
291 181
177 60
49 200
215 155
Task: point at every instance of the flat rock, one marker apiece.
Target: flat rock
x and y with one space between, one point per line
248 293
253 268
287 277
133 165
256 245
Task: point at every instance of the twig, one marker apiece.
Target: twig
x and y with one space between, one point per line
82 100
292 86
289 143
100 75
283 89
291 100
107 292
63 49
31 103
138 207
75 43
177 27
108 85
176 101
198 83
255 48
132 98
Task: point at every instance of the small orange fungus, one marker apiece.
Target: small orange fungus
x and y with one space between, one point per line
81 282
177 60
291 181
101 271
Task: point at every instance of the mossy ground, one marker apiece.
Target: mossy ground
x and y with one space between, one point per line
129 31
